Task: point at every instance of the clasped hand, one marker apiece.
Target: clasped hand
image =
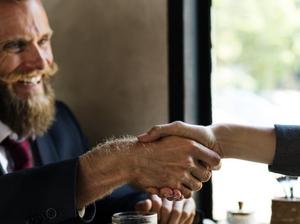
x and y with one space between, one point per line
175 163
169 212
208 155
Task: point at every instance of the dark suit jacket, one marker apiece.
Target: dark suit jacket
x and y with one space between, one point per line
46 193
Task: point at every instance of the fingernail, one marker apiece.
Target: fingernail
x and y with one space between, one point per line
168 195
177 194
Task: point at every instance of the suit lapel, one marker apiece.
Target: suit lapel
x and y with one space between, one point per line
47 149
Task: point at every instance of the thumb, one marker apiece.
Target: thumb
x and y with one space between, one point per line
149 136
143 206
177 128
156 132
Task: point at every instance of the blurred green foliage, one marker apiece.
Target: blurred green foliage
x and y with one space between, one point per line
257 43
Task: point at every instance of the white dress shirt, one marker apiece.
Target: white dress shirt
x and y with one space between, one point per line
4 157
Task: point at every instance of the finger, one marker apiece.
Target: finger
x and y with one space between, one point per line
156 204
145 137
171 195
186 192
177 128
207 156
152 190
177 194
217 167
202 174
192 183
176 199
188 211
143 206
176 212
153 134
165 210
166 192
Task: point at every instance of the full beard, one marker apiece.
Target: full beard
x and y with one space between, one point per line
31 116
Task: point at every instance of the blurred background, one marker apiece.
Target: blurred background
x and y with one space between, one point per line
113 63
256 81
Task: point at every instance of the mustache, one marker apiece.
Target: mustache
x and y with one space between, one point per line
13 77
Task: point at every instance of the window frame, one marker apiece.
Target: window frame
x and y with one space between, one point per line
189 62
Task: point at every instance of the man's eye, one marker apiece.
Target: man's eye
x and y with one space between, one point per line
15 46
43 41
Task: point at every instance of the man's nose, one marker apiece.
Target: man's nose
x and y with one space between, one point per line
34 59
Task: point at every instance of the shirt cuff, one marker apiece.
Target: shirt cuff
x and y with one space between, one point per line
287 154
87 214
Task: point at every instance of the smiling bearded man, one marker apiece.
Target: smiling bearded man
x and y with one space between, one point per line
31 113
26 67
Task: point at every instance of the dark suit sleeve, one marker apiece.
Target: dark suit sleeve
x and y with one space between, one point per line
39 195
70 142
46 194
287 155
122 199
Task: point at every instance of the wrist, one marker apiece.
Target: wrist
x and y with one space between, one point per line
100 171
134 161
125 152
245 142
218 133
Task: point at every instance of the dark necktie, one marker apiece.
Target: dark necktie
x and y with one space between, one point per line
19 152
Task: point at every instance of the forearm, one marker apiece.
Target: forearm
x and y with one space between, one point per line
145 165
246 142
100 172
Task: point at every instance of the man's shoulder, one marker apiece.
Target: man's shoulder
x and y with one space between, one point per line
61 106
63 114
65 123
63 110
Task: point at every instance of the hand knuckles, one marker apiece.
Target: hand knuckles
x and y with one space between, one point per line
188 164
206 175
155 128
186 193
177 124
216 160
198 186
165 210
157 203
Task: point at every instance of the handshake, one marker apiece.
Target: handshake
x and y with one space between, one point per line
197 154
170 160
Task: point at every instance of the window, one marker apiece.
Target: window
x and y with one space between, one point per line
255 80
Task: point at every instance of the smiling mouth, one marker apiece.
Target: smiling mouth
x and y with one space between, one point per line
31 81
25 87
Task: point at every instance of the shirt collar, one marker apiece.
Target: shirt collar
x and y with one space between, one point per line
4 131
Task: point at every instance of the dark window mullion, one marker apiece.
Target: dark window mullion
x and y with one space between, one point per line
190 87
175 54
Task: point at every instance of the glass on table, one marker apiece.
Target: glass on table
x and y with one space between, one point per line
134 218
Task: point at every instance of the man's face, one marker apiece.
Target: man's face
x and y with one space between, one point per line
26 65
24 45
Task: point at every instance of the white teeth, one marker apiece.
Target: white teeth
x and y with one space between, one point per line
33 80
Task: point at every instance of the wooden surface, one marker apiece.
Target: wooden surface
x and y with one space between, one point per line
285 211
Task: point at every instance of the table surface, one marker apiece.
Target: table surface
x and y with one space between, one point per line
224 222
